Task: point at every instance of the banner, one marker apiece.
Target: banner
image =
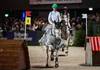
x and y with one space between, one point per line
28 21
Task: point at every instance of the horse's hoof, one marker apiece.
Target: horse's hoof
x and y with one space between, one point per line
56 65
47 65
62 49
66 52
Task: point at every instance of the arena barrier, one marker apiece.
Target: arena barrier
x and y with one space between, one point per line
93 51
14 55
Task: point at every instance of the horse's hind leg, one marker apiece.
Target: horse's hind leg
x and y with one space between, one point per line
56 58
63 48
47 52
67 46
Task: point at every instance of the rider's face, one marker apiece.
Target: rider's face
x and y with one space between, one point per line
54 9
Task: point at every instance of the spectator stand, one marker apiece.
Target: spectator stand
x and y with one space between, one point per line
14 28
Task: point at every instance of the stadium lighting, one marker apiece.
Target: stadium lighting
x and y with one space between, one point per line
6 15
91 9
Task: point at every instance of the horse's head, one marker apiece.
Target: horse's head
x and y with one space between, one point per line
59 25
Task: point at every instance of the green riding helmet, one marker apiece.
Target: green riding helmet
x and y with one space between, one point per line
54 5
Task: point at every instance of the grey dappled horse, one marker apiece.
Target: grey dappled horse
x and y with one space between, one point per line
52 39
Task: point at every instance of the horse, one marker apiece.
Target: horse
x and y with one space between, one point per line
52 39
66 32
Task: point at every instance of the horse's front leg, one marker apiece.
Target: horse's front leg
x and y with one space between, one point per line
67 42
52 54
56 58
47 52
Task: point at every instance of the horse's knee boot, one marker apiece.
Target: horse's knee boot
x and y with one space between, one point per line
52 57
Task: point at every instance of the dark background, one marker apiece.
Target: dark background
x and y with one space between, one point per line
14 4
85 4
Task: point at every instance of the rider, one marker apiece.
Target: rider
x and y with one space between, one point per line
54 15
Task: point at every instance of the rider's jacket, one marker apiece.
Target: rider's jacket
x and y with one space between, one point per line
54 16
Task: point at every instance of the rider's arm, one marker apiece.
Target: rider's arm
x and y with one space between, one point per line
49 18
69 21
59 17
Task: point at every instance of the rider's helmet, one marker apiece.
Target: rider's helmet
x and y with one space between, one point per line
54 5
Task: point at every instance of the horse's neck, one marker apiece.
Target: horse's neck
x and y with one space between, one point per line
44 26
56 32
52 31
